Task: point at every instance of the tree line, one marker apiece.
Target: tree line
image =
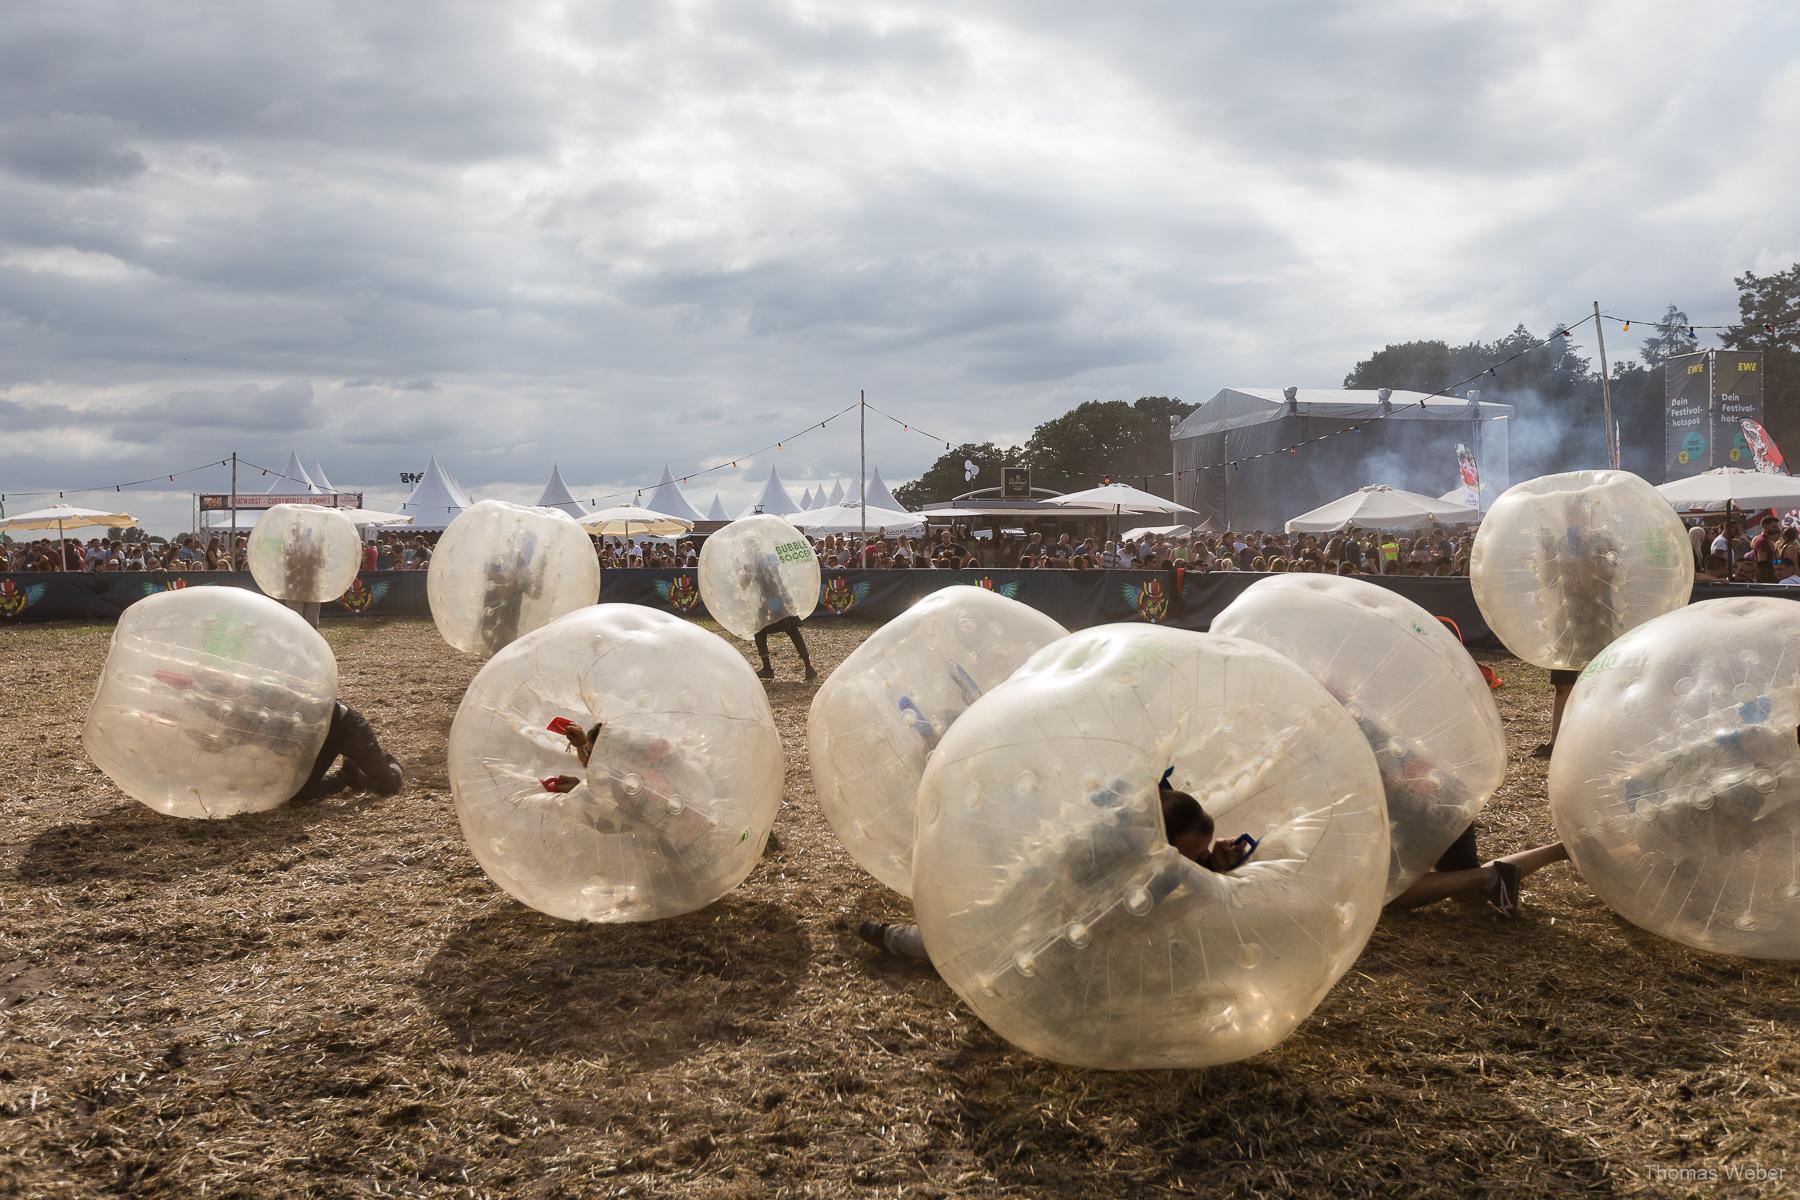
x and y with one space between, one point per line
1555 392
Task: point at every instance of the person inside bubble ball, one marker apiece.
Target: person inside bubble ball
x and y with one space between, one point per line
647 787
1187 826
764 575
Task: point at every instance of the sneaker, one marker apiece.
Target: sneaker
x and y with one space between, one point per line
1502 891
767 672
1544 750
874 933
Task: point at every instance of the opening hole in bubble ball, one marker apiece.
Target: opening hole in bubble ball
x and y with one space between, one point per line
1249 954
1026 962
1025 783
1078 934
631 783
1137 901
1684 685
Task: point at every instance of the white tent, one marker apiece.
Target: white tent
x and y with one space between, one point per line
717 511
1144 531
773 499
668 500
556 495
837 494
849 518
818 500
318 477
1734 487
806 498
1464 496
1381 507
876 494
437 500
293 479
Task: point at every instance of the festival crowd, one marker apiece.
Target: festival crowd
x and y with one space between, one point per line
1768 552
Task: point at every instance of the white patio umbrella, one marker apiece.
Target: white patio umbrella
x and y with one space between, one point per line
1724 488
852 518
1120 498
623 520
374 516
1381 507
60 516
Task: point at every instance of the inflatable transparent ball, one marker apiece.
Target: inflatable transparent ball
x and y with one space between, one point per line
757 571
1050 898
675 803
877 718
213 701
1563 564
1676 779
304 553
1410 687
502 570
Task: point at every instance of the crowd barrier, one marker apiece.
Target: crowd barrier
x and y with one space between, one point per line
1075 598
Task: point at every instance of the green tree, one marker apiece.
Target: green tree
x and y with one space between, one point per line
947 478
1127 441
1769 312
1671 338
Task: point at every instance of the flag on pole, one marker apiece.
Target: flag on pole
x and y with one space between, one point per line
1763 448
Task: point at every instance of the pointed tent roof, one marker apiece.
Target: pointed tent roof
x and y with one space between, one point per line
318 477
876 494
668 500
818 500
556 495
773 499
293 479
806 499
837 493
437 500
717 511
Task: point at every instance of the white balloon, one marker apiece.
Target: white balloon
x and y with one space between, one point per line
213 701
1676 779
676 803
304 553
502 570
878 716
1563 564
756 571
1050 898
1409 685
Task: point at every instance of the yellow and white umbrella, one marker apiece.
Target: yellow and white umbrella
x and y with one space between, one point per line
61 516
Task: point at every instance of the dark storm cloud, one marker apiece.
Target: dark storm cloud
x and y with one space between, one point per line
69 148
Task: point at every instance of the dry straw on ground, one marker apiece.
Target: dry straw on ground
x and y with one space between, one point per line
332 1000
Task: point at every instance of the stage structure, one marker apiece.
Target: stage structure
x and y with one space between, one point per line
1707 395
1407 440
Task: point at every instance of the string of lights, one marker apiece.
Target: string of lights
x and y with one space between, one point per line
63 493
1767 326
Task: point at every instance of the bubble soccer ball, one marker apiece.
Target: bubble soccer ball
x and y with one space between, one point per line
502 570
757 571
1050 898
880 714
1410 687
214 701
1563 564
304 553
677 799
1676 779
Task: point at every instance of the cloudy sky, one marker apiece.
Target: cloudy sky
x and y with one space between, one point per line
614 235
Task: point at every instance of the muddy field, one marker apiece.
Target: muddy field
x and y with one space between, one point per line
332 1000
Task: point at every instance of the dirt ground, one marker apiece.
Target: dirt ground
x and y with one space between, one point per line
332 1000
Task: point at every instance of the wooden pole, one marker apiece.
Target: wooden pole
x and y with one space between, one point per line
1612 447
233 534
862 470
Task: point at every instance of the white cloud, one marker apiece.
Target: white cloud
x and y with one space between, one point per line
614 235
